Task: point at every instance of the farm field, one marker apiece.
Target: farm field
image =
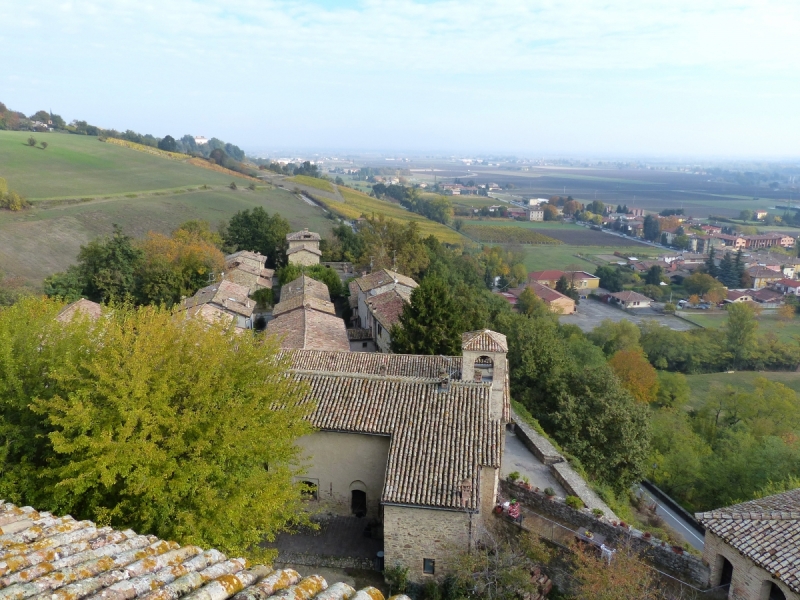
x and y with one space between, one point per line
314 182
587 258
701 385
357 204
502 234
42 241
768 322
567 233
76 166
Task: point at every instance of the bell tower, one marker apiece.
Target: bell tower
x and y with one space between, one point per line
484 360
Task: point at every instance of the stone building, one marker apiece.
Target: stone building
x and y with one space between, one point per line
226 301
83 307
377 301
306 318
413 441
247 269
303 248
45 556
754 547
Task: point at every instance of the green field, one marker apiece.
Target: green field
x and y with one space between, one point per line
555 225
539 258
768 322
314 182
118 185
701 385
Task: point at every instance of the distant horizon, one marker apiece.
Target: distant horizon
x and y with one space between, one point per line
690 79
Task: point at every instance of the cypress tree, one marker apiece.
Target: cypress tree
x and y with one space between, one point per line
431 323
711 266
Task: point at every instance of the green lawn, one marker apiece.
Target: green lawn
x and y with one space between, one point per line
81 166
768 322
701 385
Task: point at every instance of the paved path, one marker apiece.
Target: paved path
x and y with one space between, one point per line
518 458
675 521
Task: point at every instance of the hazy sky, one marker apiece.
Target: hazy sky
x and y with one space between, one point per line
663 77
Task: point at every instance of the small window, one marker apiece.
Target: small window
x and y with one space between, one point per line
428 566
363 344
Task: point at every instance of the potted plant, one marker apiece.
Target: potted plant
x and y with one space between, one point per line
623 524
588 534
550 493
647 535
513 476
498 510
677 549
598 512
526 483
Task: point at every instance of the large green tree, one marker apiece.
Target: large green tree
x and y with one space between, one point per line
430 323
147 420
258 231
741 333
651 228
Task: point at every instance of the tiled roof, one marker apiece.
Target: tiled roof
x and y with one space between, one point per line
308 301
551 275
767 295
408 366
359 334
628 296
303 236
252 277
253 259
381 278
386 308
305 286
60 558
304 248
484 341
225 294
789 283
93 310
547 294
439 438
767 531
310 329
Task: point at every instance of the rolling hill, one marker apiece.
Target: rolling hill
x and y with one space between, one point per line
79 187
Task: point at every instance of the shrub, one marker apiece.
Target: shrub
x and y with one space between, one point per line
396 578
513 476
574 502
233 185
548 491
31 141
43 145
598 512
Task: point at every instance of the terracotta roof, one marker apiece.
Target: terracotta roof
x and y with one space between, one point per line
359 334
93 310
767 531
253 259
628 296
386 308
304 248
406 366
252 277
551 275
547 294
61 558
225 294
301 301
790 283
484 341
305 286
439 438
764 272
303 236
581 275
767 295
381 278
736 294
308 328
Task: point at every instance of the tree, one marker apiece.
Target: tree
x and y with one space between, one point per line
653 291
727 272
610 278
612 337
255 230
31 141
699 283
711 265
145 420
43 145
430 323
673 389
636 375
566 287
168 144
654 275
715 295
550 213
651 228
740 332
531 305
746 215
786 312
739 270
682 241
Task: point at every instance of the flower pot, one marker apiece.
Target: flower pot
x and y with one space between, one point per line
647 535
498 510
677 550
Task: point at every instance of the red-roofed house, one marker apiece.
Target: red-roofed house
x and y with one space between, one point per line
629 299
788 286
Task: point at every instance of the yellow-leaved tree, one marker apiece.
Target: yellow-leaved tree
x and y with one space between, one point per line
636 374
145 419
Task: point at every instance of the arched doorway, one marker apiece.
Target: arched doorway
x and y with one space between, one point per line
775 593
358 498
725 570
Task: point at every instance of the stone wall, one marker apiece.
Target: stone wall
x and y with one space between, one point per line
539 445
749 581
413 534
684 566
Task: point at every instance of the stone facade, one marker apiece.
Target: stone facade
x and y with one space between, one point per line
343 463
413 534
748 580
303 257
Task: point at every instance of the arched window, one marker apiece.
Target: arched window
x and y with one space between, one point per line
775 593
484 369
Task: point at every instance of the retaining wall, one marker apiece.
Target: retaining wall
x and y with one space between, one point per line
684 566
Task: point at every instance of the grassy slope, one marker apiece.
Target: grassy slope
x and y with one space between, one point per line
357 204
41 241
743 380
767 323
314 182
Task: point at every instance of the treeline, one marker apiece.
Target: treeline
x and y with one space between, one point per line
305 168
438 209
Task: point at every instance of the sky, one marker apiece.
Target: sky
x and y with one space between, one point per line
526 77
